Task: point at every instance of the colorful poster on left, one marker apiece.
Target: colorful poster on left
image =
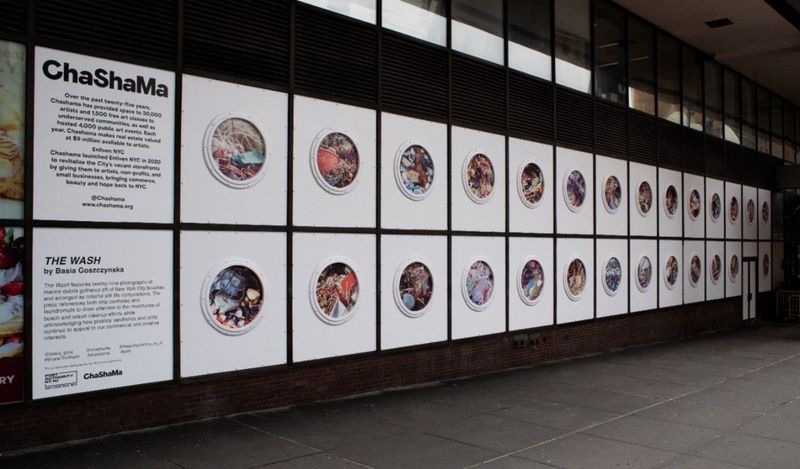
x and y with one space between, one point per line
12 129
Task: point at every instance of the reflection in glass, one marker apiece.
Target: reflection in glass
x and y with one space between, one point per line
732 108
529 31
669 103
573 59
713 95
477 29
748 114
762 119
776 124
789 137
363 10
692 88
422 19
641 73
609 52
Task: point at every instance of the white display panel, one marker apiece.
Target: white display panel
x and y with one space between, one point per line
611 196
530 210
643 200
313 336
476 204
530 306
257 336
733 275
670 211
670 295
715 209
472 318
749 249
694 206
575 182
104 140
321 196
778 265
221 125
733 211
715 270
644 295
765 266
694 274
407 18
413 196
476 42
102 309
363 10
764 214
403 324
612 277
749 213
573 307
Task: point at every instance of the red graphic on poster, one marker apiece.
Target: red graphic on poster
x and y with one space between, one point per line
11 314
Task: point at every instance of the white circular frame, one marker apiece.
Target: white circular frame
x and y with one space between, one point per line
565 195
677 201
603 194
738 268
315 170
689 204
566 282
650 282
738 209
212 165
211 277
693 284
396 290
638 207
519 184
399 179
711 208
465 183
312 290
465 293
711 271
520 291
678 274
609 291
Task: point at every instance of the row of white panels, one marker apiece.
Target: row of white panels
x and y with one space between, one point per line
234 169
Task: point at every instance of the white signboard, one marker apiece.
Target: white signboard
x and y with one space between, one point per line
102 309
104 140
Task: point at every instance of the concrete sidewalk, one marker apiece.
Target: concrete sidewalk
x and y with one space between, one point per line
724 400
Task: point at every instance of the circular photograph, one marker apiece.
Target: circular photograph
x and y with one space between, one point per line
644 274
734 211
531 281
335 291
733 269
335 161
414 288
716 207
612 194
479 178
695 204
764 212
232 296
751 211
575 279
574 190
530 184
695 270
235 150
644 196
671 201
671 272
716 268
414 171
477 285
612 276
765 265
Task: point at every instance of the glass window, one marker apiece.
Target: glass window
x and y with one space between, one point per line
713 98
776 124
529 45
422 19
609 52
748 114
573 58
363 10
788 132
641 70
692 88
732 108
12 129
669 66
477 29
762 119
